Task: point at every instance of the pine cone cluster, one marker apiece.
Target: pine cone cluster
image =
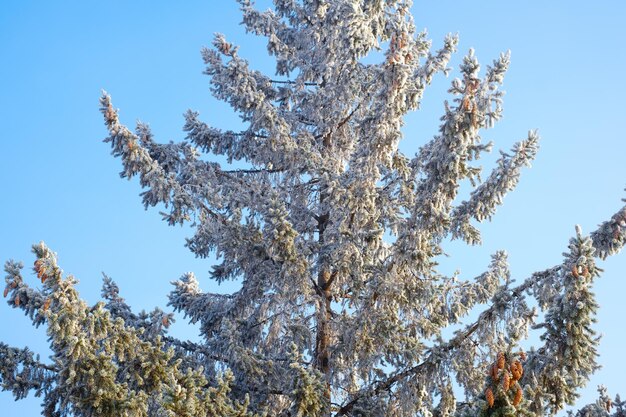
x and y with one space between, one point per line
503 387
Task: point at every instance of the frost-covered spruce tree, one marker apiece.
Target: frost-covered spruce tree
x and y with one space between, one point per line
334 235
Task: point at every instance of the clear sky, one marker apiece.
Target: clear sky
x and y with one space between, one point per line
59 183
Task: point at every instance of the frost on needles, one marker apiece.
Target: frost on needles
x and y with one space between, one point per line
334 235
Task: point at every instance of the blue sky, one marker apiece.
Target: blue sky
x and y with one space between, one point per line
60 184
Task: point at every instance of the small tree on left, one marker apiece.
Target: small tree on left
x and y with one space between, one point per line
103 365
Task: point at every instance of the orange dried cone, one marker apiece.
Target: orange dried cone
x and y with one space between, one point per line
46 305
40 270
489 397
506 381
6 292
516 370
494 373
518 396
520 369
501 360
522 355
17 300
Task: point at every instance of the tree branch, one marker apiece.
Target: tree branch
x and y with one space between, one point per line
293 82
618 227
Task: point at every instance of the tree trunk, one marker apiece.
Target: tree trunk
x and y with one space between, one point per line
324 311
322 341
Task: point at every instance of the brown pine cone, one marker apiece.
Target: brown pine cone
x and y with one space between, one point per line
501 360
506 381
489 397
518 396
494 373
516 370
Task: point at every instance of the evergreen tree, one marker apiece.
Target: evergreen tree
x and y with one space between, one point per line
335 235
